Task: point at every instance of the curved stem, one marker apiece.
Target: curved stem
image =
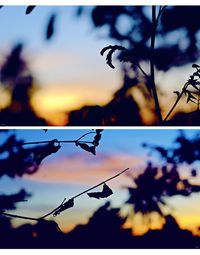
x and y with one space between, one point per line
91 132
176 102
171 110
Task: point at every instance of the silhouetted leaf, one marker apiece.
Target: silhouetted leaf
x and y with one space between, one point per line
86 147
195 66
29 9
42 152
111 50
50 26
105 49
97 139
106 192
99 131
64 206
196 74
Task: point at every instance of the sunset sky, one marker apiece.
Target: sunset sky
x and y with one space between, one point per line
69 69
72 170
68 66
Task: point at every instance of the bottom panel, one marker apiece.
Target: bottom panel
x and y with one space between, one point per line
120 188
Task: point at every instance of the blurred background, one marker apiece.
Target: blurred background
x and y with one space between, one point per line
52 72
157 198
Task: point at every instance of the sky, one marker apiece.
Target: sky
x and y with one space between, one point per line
69 65
69 70
72 170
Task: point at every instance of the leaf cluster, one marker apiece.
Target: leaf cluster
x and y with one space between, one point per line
95 143
155 185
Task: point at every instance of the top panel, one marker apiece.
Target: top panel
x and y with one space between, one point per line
99 65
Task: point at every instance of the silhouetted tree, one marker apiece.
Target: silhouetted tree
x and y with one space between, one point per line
16 76
156 183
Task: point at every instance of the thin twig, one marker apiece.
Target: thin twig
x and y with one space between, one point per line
141 69
65 141
51 212
18 216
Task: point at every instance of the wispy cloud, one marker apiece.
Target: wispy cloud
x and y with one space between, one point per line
76 169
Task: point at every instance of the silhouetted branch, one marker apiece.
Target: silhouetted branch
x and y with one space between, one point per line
18 216
63 204
174 105
152 64
63 141
58 141
195 83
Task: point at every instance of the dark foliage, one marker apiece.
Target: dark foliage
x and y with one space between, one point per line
186 150
14 67
7 202
16 76
169 52
103 230
17 159
154 185
112 114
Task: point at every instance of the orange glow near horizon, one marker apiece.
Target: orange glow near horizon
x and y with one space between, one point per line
60 99
139 227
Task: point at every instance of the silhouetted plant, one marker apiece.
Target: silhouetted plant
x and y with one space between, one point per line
192 96
22 160
138 37
126 56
